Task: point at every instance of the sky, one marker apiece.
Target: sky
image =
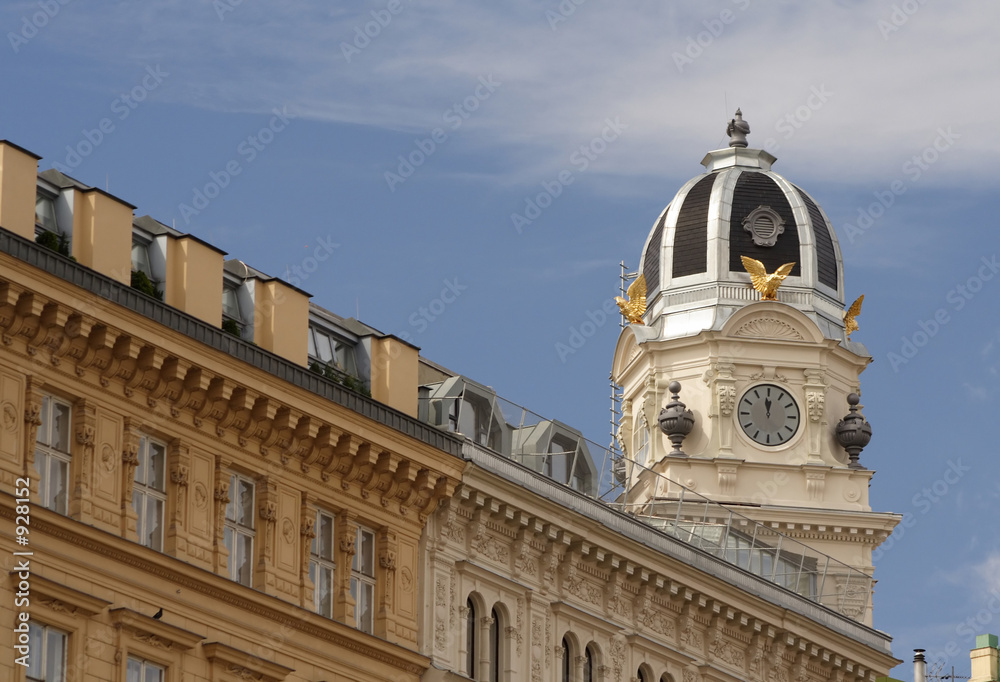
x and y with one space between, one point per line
415 142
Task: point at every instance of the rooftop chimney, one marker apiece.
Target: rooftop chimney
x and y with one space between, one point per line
919 666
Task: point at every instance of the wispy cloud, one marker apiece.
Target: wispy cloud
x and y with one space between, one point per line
890 92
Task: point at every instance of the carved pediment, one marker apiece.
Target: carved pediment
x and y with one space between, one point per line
769 328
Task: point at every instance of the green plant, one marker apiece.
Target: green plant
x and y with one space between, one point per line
54 241
142 282
232 327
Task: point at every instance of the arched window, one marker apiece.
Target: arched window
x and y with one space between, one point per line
495 650
567 666
642 675
470 639
588 664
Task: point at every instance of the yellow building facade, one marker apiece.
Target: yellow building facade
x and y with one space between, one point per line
184 503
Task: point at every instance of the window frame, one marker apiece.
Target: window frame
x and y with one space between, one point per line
362 582
43 657
52 455
41 194
319 564
146 492
236 528
495 643
143 662
342 350
471 637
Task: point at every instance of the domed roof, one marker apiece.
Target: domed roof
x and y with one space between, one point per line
695 279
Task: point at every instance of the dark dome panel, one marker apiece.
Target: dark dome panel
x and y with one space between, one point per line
691 234
752 191
826 255
651 263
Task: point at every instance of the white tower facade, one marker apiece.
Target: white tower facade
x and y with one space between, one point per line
767 382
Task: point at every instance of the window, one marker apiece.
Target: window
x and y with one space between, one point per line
642 451
642 675
140 257
52 454
495 649
567 665
239 529
321 564
231 303
149 494
329 349
140 670
363 580
588 665
45 212
470 638
47 661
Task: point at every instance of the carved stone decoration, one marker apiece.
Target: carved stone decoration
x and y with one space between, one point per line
9 415
153 640
769 328
130 460
406 580
727 478
815 403
691 637
756 663
815 485
725 651
441 593
616 654
288 530
440 635
656 620
59 606
108 458
488 545
690 675
519 622
524 564
242 673
268 512
617 601
764 225
727 399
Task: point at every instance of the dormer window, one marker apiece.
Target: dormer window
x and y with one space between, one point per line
140 257
231 304
45 212
328 349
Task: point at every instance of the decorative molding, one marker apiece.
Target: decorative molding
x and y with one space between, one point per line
769 328
243 665
151 631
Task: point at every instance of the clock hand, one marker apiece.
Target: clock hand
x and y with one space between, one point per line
767 406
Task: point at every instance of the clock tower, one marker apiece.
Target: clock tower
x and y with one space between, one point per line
763 384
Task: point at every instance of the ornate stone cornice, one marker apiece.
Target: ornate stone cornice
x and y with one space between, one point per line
227 408
626 592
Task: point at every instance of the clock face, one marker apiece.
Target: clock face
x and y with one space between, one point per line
768 414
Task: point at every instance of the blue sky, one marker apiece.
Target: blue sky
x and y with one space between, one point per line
884 111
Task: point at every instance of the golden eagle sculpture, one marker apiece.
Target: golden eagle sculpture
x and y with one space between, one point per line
766 284
635 306
851 316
